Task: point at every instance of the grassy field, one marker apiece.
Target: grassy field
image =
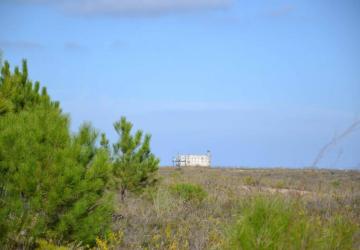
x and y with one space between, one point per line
199 208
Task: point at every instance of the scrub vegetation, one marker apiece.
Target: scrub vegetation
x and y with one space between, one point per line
63 190
307 211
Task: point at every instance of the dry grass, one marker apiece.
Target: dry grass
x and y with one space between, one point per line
159 220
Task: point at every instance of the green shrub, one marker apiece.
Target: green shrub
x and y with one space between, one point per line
276 223
250 181
335 183
279 184
188 192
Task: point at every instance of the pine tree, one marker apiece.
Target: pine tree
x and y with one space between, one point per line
18 93
52 185
55 185
135 166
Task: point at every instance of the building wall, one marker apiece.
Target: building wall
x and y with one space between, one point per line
193 160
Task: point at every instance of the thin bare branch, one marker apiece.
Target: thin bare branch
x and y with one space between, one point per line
335 140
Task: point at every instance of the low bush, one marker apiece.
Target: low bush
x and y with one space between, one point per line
278 223
188 192
250 181
279 184
335 183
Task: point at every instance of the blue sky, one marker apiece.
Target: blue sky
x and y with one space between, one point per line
259 83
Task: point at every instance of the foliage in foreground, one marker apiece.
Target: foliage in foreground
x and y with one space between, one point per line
277 223
18 93
55 185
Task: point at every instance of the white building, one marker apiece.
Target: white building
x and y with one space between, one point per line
193 160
